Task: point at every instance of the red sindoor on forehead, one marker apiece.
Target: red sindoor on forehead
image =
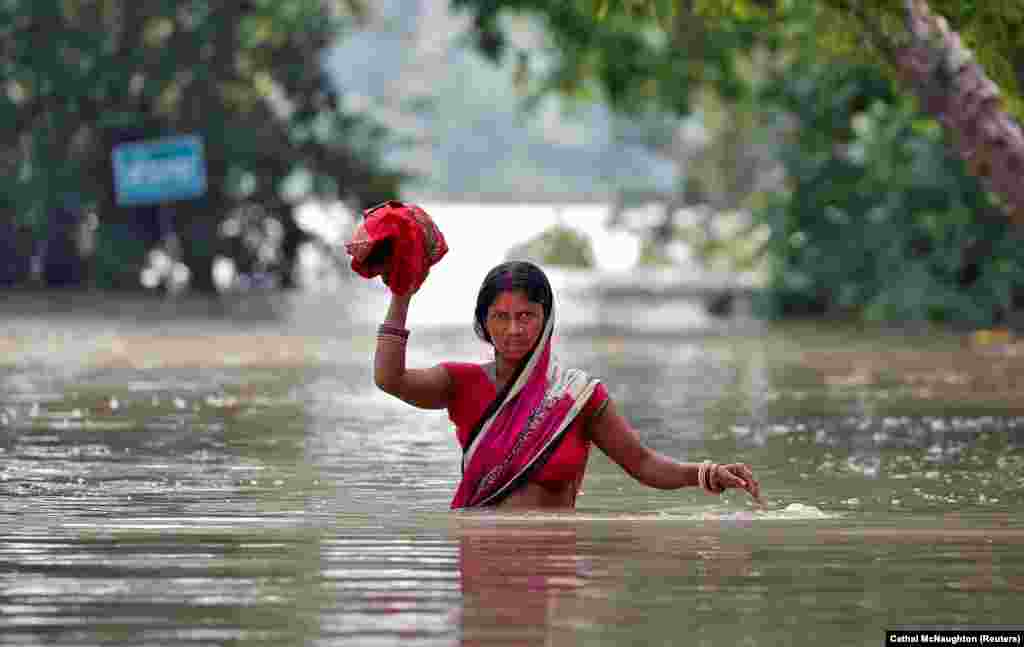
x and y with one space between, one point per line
494 306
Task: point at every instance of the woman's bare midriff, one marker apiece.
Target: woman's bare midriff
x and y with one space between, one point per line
534 496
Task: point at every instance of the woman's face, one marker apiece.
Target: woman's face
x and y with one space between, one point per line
514 324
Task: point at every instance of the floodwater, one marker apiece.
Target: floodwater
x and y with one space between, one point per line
229 475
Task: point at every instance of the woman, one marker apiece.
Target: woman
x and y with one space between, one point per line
525 423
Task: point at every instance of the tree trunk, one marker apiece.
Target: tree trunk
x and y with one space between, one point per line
294 237
16 247
954 88
200 240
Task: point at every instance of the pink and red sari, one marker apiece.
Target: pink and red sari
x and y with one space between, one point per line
524 429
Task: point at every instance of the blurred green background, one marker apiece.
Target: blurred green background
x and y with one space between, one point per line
192 447
778 138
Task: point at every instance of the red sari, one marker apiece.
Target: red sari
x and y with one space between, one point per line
527 429
473 389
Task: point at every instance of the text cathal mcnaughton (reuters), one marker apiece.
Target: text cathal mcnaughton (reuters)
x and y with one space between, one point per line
996 635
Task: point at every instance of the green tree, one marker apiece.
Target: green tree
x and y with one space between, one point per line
875 216
559 245
82 76
879 219
657 52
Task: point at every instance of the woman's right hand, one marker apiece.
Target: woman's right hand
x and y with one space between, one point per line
738 476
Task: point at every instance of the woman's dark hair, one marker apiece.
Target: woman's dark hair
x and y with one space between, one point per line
512 275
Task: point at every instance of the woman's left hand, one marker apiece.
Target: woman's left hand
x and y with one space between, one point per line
737 476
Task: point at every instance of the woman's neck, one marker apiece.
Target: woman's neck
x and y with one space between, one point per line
503 369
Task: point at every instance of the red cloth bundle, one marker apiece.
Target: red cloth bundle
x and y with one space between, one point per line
399 240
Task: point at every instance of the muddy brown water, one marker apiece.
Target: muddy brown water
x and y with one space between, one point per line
235 478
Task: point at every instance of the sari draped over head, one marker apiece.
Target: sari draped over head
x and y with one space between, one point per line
399 239
525 428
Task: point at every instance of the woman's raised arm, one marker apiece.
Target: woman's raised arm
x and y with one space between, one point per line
424 388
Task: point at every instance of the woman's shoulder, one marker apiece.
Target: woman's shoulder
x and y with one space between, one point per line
595 406
599 396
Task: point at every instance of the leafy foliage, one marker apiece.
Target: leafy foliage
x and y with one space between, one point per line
880 219
994 31
633 55
83 76
625 44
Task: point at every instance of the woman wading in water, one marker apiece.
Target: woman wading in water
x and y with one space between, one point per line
525 423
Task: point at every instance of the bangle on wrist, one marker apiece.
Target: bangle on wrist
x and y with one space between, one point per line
704 475
393 330
714 487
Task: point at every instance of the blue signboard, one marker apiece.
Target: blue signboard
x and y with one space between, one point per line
159 170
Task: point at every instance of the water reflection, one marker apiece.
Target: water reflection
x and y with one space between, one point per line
524 585
155 585
385 588
558 580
